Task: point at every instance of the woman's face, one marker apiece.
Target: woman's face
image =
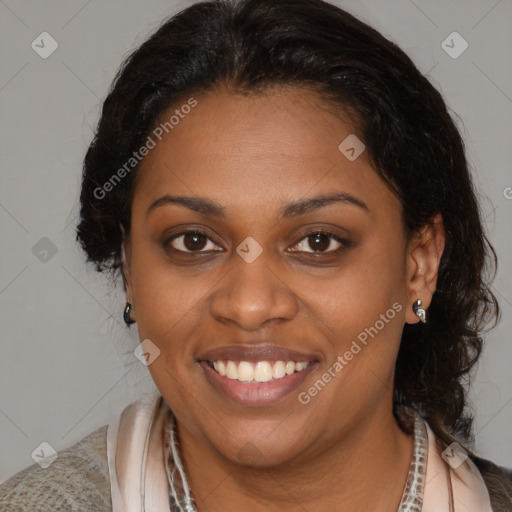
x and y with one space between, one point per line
259 285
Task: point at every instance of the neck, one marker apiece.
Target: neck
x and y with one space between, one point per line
364 470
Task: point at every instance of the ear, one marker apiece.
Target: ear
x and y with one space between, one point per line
125 268
424 253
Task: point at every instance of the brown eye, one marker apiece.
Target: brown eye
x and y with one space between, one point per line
190 241
320 242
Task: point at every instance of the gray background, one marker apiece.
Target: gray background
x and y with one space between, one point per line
67 364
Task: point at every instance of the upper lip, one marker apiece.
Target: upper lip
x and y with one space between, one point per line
254 353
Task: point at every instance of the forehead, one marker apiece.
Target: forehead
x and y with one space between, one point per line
257 149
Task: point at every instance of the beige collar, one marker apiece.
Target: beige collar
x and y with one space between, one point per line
454 484
136 463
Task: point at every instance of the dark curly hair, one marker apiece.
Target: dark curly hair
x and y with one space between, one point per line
410 137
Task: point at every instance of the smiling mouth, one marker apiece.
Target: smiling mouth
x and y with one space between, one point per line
256 372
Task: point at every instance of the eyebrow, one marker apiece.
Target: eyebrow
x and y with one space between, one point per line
300 207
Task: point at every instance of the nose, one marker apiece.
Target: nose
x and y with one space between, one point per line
252 294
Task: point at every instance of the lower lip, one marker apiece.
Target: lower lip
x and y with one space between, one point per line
256 394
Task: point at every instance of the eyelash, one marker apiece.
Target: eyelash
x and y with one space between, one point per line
344 243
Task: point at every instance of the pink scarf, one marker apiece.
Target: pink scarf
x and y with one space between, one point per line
137 462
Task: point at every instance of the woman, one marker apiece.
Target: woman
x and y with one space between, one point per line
289 205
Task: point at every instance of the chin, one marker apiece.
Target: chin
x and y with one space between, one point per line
261 445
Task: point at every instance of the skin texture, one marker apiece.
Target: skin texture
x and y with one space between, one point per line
253 155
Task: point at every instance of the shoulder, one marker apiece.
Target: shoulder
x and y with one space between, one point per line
498 481
77 480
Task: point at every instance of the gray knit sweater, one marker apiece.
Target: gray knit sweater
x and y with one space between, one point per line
78 481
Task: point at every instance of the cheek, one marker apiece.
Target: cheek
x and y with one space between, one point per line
163 294
365 287
364 309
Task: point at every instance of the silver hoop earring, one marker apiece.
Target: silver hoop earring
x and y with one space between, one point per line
419 311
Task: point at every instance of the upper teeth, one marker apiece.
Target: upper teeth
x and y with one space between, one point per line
262 371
